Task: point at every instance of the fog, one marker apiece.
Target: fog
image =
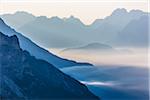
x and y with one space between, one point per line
121 73
119 82
121 56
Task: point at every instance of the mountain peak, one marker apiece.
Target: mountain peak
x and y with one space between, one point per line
72 17
98 46
73 20
119 11
13 40
136 12
18 18
56 19
42 17
22 12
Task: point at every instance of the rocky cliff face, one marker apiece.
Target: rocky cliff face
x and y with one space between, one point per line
25 77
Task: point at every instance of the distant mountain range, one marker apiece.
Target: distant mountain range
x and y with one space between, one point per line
18 19
135 33
69 32
98 47
24 77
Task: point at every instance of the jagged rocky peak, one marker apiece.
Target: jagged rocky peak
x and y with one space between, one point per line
13 40
72 19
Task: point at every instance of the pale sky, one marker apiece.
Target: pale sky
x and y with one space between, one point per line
86 10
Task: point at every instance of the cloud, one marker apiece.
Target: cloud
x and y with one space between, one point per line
98 83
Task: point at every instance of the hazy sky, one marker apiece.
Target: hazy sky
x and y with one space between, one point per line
86 10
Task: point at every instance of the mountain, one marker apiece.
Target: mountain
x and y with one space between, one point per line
35 50
108 28
135 33
92 46
97 46
70 32
119 18
56 32
25 77
18 19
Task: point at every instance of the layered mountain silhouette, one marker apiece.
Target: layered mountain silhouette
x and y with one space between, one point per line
98 46
37 51
69 32
135 33
25 77
18 19
91 47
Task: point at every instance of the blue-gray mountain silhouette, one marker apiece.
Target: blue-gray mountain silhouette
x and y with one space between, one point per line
23 77
18 19
37 51
135 33
71 32
98 46
93 47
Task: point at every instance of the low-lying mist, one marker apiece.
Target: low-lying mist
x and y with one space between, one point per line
120 56
121 72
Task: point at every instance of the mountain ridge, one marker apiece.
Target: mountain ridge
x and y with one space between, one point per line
57 32
37 51
25 77
91 46
72 16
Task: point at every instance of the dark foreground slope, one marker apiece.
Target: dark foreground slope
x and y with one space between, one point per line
24 76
